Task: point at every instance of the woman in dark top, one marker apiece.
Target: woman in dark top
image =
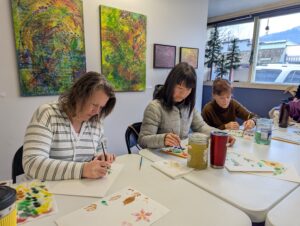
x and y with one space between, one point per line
223 111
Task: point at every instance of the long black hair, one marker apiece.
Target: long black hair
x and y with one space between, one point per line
181 74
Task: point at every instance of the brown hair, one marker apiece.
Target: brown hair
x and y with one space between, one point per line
221 86
83 89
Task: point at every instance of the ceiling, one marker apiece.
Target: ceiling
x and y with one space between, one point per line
223 7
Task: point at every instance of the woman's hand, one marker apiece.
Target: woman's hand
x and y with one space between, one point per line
172 140
231 141
109 157
95 169
249 124
232 126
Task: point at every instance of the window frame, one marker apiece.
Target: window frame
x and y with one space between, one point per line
256 17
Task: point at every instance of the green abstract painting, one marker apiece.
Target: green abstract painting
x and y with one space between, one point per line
49 44
123 48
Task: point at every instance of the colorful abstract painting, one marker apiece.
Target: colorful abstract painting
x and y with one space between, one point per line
123 48
49 44
127 207
189 55
34 201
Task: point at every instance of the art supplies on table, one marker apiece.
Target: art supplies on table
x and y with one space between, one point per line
176 151
246 134
34 201
248 163
127 207
244 162
6 183
282 171
292 137
86 187
172 168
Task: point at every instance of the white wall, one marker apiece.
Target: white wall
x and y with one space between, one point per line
174 22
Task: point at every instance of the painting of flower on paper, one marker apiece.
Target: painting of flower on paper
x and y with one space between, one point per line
127 207
123 48
49 45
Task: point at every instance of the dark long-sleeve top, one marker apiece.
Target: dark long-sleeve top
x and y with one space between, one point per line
217 117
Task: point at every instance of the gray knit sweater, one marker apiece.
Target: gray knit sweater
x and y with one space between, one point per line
158 121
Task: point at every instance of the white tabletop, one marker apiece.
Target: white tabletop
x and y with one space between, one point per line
286 212
255 195
188 204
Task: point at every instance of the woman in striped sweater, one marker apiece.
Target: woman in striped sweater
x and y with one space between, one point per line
64 139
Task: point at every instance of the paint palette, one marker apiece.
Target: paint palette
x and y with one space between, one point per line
33 201
179 152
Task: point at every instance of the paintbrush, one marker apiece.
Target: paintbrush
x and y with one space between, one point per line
105 159
244 125
180 147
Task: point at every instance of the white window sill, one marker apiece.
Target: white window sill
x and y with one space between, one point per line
254 85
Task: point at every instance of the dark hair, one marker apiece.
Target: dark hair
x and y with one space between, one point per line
84 88
182 73
221 86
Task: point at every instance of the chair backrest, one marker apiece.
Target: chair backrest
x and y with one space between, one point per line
132 135
17 167
157 88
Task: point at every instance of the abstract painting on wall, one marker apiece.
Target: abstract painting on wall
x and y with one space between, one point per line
123 48
164 56
189 55
49 44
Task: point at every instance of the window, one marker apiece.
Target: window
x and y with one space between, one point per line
268 48
243 33
267 75
293 77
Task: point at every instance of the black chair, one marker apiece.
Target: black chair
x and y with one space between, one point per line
132 135
157 88
17 167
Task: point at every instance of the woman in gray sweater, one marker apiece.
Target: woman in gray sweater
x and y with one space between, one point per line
170 116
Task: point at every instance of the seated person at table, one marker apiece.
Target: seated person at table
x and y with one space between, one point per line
64 138
223 111
169 117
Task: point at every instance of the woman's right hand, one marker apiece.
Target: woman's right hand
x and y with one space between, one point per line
95 169
171 139
232 126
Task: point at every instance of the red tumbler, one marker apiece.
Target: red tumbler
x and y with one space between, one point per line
218 148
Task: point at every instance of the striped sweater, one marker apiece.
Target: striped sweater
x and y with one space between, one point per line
52 150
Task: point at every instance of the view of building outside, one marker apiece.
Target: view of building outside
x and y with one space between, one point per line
278 50
244 33
278 58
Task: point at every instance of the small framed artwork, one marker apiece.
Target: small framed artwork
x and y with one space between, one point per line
164 56
189 55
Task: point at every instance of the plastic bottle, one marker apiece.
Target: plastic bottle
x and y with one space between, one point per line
284 115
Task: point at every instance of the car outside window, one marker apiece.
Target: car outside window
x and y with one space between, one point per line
267 75
293 77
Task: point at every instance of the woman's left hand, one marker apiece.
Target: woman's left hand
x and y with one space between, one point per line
231 141
249 124
109 157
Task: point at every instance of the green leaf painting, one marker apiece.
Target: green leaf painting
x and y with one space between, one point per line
49 44
123 48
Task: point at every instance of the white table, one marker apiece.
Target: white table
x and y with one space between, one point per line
188 204
286 212
255 195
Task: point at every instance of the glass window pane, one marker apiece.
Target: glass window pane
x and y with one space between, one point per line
243 32
293 77
267 75
278 49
